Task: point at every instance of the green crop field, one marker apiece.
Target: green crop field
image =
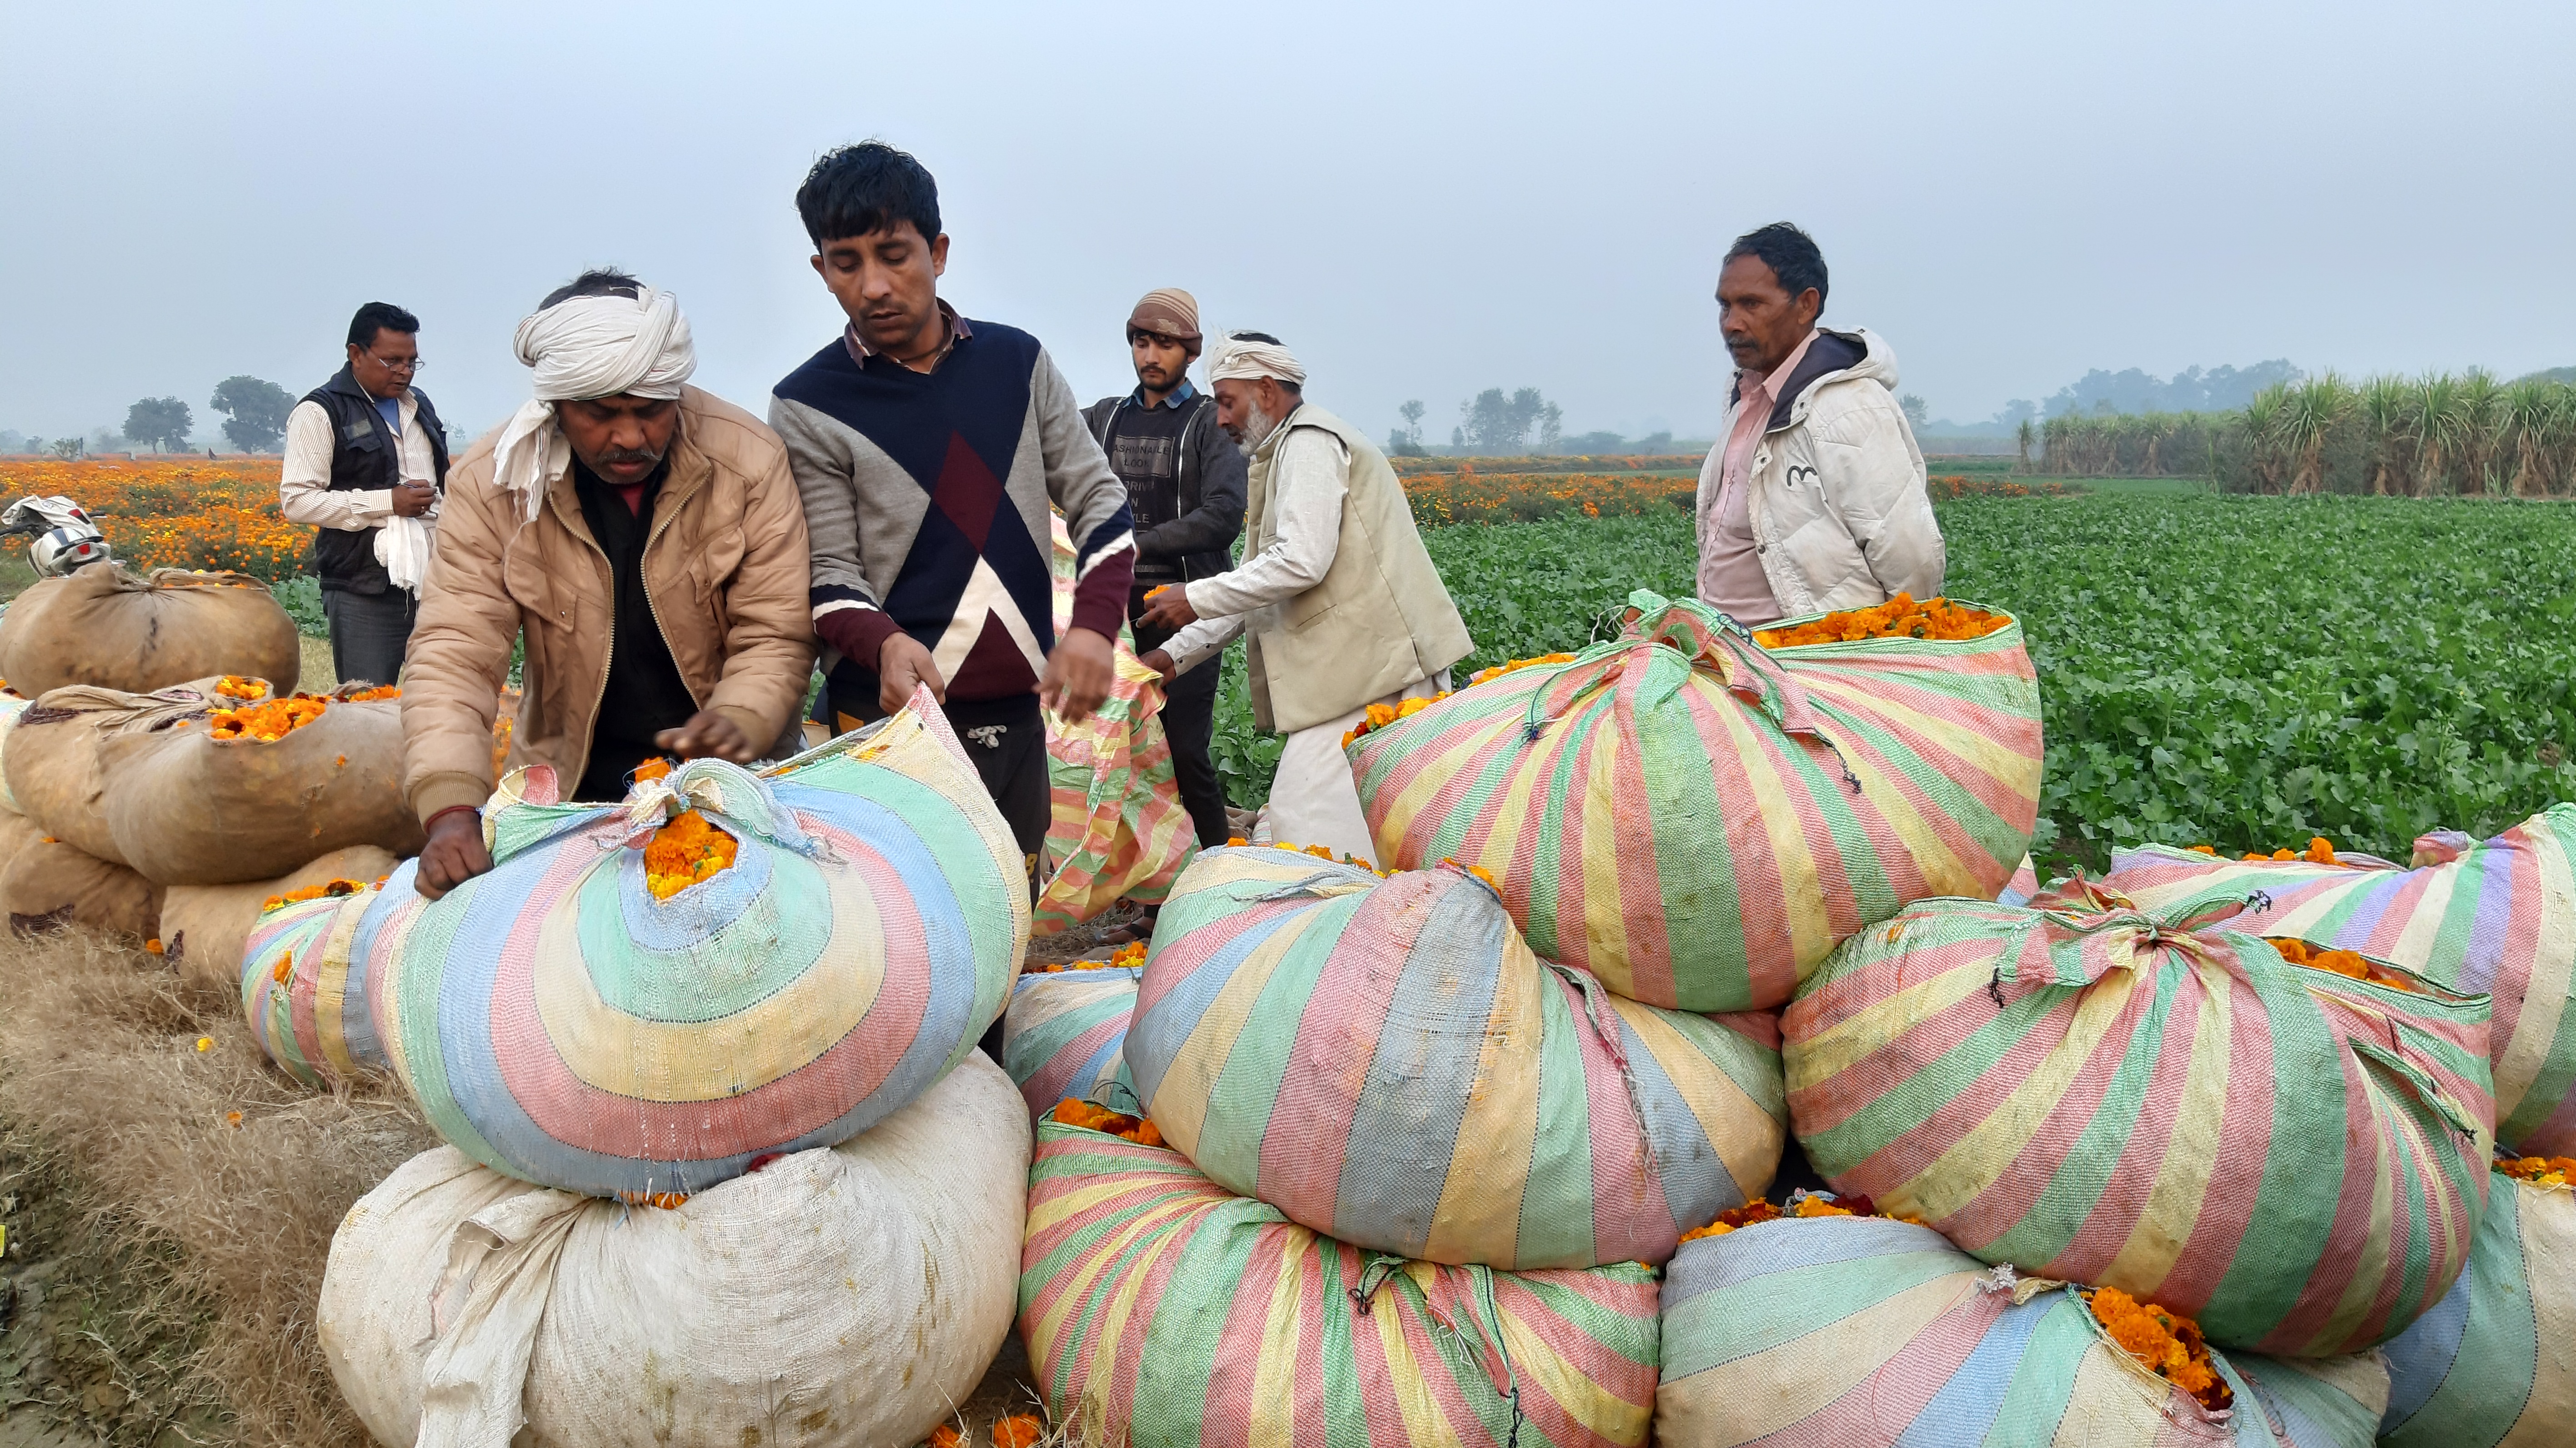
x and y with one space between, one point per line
2237 671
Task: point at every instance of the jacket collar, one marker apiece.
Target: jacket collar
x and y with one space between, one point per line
1830 357
346 380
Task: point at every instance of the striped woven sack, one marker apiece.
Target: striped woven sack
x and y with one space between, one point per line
1698 821
1066 1035
2497 918
2294 1157
1161 1309
2494 1363
1116 829
559 1023
1872 1333
1385 1061
304 1004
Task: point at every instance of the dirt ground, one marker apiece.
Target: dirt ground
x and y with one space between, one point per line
169 1200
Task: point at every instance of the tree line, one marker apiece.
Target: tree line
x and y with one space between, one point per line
2438 435
254 421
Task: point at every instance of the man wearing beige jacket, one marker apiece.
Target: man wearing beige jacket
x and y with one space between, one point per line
1813 498
1342 605
644 537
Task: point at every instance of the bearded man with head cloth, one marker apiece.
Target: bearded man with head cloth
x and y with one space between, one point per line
646 540
1341 606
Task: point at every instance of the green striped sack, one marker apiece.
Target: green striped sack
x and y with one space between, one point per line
2291 1156
1066 1035
304 1004
2494 1363
2497 918
1873 1333
1697 820
1161 1309
1385 1061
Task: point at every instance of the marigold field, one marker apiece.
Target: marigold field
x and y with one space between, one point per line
2224 670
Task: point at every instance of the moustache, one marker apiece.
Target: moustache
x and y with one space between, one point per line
627 456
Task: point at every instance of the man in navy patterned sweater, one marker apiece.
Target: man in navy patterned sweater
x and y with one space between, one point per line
928 449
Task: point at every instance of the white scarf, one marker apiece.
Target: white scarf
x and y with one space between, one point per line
583 348
1241 361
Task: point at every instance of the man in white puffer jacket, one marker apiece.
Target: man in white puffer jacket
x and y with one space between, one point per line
1813 498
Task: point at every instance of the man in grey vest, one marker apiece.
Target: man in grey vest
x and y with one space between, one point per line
1184 480
366 457
1340 603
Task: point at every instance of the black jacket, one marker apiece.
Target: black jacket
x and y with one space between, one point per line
365 456
1212 489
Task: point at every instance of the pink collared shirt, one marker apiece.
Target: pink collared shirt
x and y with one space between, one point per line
1730 558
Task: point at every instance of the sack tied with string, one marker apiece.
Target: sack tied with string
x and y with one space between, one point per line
1066 1035
2294 1157
1159 1308
1865 1332
1385 1060
586 1018
2496 918
53 759
112 629
1697 820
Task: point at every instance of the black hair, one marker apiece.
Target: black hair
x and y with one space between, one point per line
871 186
1790 253
599 281
375 317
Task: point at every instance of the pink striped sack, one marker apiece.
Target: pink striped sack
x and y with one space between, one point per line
1385 1061
1116 829
2292 1156
1161 1309
2497 918
1698 821
1066 1035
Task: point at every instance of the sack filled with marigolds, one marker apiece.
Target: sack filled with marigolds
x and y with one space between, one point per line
109 628
303 998
1697 815
53 762
2294 1156
723 967
52 883
1160 1308
1116 829
1827 1320
2494 917
848 1296
2494 1363
253 791
205 928
1385 1060
1065 1033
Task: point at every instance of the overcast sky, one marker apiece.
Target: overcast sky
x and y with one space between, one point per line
1422 200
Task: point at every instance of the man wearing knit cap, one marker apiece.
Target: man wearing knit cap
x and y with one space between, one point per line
1184 480
646 541
1341 605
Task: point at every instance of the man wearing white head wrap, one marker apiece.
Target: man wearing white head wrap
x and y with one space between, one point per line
643 538
1342 605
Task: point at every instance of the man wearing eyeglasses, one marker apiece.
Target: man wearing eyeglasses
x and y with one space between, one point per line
366 457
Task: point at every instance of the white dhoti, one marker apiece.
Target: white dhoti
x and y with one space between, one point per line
1313 799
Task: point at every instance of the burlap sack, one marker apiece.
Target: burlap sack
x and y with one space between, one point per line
104 626
204 927
52 762
52 884
18 834
187 808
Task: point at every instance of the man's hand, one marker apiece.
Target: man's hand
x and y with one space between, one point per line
1169 609
1161 663
902 666
454 854
1078 675
708 733
411 499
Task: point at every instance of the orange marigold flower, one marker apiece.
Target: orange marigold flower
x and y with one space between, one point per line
945 1436
235 686
369 696
2321 851
2170 1345
2204 849
152 946
233 1119
2540 1171
652 769
2342 962
1074 1111
1020 1430
267 722
1899 617
684 852
665 1200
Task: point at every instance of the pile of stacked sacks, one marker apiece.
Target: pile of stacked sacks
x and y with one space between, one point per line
163 777
723 1162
